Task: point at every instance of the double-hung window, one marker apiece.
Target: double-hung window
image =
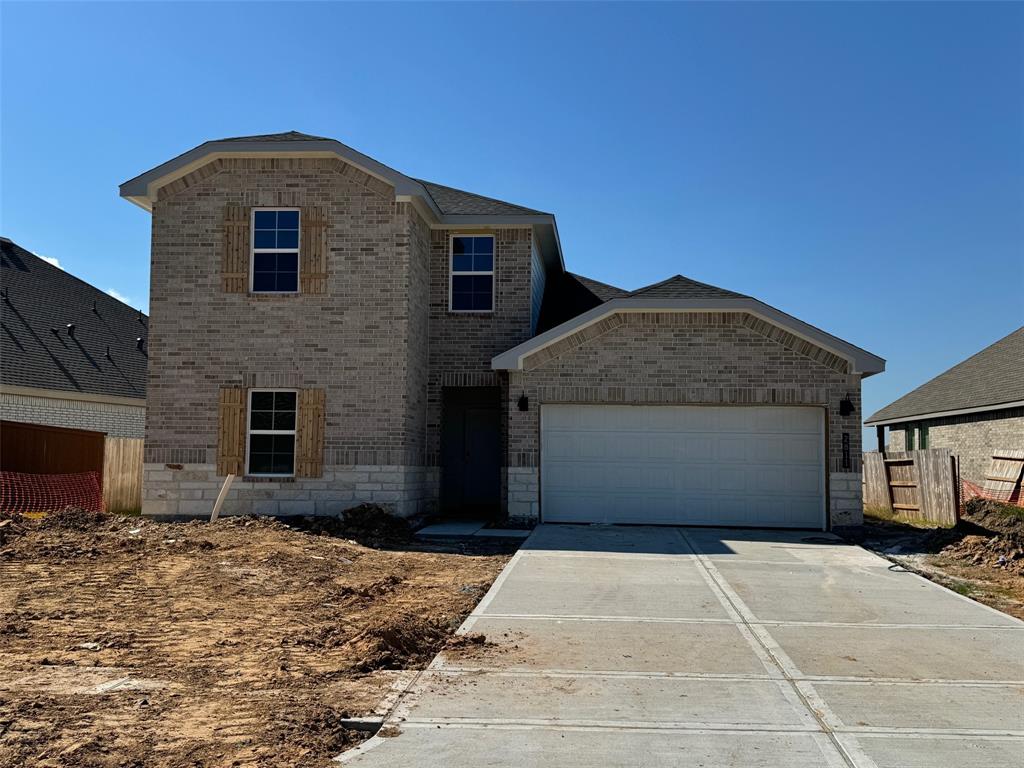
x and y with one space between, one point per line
472 273
275 250
272 432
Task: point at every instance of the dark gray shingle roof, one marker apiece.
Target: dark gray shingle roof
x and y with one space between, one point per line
287 136
567 296
40 297
993 376
457 202
680 287
603 291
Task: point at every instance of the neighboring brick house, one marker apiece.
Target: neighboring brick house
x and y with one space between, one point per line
334 331
976 408
71 355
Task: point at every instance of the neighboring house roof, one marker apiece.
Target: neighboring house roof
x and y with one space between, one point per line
440 205
681 294
990 380
457 201
39 301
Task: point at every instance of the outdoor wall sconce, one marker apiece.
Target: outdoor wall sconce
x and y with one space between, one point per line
71 329
524 403
140 342
845 406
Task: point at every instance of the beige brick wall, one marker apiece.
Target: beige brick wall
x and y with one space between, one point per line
350 341
363 340
679 358
972 437
462 344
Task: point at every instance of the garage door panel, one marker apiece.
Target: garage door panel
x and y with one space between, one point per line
703 465
694 448
732 449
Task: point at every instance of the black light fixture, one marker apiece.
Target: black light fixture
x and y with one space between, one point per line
140 342
524 403
845 406
71 329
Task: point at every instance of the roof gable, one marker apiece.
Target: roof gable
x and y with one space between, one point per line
679 287
681 294
39 302
993 376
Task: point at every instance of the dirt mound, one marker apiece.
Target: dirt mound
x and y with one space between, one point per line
318 729
243 642
74 519
398 641
369 524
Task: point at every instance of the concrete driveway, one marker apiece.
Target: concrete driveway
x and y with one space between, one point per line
623 646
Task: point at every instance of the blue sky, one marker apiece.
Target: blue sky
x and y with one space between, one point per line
860 166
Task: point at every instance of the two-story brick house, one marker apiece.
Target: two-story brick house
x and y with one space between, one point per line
333 331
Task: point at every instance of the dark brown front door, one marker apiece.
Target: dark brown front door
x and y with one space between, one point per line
471 451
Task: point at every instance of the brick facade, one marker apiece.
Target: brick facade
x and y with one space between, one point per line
116 419
361 340
382 344
974 437
682 358
462 344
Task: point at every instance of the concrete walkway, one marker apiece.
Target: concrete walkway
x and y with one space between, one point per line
621 646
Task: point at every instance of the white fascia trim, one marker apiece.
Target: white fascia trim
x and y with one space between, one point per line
861 361
943 414
142 189
62 394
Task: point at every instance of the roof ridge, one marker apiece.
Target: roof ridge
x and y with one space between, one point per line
689 281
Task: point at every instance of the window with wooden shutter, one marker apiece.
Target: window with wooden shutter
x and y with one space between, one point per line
231 431
313 251
234 271
309 434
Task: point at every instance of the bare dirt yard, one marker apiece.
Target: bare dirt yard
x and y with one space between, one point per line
247 642
982 557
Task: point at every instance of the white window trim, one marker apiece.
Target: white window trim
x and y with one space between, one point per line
253 250
452 273
249 431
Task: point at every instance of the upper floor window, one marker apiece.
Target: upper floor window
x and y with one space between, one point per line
272 432
472 273
275 250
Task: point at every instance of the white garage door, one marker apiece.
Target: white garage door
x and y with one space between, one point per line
683 465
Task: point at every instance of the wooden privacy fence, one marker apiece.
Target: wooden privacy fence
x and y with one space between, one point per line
122 474
918 484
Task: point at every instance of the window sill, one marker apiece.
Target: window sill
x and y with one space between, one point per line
268 478
470 311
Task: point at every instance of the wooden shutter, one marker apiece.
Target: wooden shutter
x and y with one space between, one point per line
231 431
234 271
313 251
309 434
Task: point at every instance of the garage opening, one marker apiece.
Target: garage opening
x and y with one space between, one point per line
758 466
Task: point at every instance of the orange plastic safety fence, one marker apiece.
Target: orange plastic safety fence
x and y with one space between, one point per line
969 490
25 492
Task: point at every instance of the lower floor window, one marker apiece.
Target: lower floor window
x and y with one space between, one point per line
271 432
